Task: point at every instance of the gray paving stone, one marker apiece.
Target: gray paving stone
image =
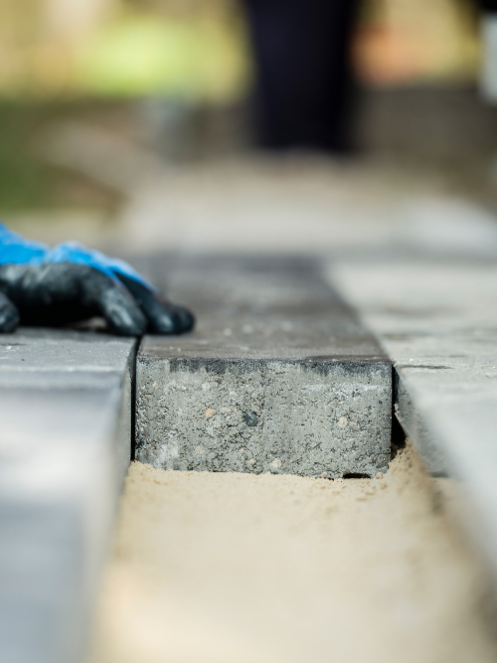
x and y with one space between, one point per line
65 408
437 319
279 376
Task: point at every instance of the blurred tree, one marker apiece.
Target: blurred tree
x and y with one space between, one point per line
68 20
122 47
75 47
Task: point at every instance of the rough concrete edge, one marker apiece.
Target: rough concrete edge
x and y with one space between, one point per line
125 426
323 365
348 367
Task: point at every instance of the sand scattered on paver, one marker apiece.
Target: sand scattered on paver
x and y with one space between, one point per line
237 568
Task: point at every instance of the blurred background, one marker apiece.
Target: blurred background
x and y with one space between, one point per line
140 122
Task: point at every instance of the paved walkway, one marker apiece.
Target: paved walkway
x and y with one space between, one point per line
409 254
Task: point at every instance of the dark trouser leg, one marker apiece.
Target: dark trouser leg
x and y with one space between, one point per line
303 74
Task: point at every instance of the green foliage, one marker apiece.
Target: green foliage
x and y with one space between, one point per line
25 181
187 59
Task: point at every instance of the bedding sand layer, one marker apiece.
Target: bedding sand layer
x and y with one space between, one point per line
238 568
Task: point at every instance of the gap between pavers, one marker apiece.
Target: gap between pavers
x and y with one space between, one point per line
65 408
279 376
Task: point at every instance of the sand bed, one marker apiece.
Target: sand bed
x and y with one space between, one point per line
236 568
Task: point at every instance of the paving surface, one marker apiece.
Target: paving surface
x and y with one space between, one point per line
437 320
279 376
445 395
65 403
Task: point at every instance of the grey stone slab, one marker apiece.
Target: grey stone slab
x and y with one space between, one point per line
417 429
65 439
279 376
438 322
59 358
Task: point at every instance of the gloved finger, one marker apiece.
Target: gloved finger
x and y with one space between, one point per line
9 315
52 292
116 305
163 316
186 316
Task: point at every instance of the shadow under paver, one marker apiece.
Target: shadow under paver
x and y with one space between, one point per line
279 375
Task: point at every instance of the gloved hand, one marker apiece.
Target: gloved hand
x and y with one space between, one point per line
50 287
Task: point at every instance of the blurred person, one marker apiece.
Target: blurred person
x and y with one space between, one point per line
303 72
45 286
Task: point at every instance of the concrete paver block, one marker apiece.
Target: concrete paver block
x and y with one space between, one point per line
65 439
279 377
437 320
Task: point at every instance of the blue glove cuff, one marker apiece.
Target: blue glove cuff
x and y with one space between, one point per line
15 249
80 255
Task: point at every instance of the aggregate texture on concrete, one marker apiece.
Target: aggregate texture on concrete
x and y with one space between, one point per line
279 376
437 319
65 408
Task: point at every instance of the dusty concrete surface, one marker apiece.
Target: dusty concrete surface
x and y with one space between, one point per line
278 376
237 568
320 419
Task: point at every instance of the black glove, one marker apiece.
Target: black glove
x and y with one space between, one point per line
69 283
